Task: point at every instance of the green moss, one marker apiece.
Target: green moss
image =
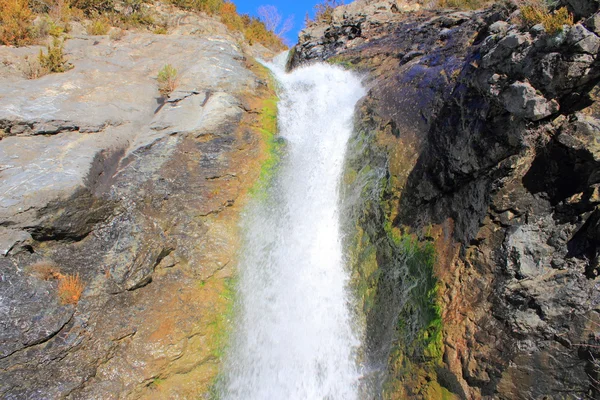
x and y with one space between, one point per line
156 382
426 341
273 147
392 273
342 62
221 326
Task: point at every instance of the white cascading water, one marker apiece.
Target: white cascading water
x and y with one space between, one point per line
294 336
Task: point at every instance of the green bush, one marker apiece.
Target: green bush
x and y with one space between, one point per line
54 60
167 80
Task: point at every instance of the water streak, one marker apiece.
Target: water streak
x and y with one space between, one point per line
294 337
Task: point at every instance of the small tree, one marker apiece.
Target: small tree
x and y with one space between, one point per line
270 16
324 10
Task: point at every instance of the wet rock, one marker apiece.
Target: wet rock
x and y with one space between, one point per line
475 164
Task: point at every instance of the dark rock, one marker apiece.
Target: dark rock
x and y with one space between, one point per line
582 8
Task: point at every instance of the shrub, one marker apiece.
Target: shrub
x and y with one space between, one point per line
93 7
15 22
538 13
69 289
167 80
61 11
137 18
54 60
97 27
160 30
46 26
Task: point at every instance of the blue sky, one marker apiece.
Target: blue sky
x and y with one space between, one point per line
286 8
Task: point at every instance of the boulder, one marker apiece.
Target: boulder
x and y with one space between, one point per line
522 100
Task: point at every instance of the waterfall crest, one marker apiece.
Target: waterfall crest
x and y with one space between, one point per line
294 336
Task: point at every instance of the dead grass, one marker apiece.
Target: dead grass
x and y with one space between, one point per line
98 27
45 270
69 289
32 69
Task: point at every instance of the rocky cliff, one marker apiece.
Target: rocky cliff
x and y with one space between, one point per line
132 196
472 193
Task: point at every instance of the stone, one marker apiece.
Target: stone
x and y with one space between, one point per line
583 8
583 40
499 27
522 100
220 115
34 191
593 23
12 240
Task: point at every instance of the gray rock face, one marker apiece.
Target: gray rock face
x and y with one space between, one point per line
137 195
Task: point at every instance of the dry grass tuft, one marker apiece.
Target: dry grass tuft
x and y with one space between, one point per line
97 27
45 270
117 34
32 69
69 289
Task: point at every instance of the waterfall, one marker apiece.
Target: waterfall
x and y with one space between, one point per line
295 336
